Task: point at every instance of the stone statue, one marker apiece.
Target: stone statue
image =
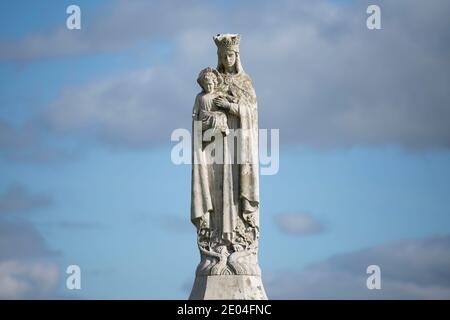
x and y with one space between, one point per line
225 181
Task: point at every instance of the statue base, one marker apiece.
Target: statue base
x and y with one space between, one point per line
228 287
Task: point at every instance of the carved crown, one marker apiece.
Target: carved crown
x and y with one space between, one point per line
227 41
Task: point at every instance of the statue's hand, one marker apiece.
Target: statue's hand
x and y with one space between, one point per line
222 103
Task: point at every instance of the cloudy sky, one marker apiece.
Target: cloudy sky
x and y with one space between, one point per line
85 123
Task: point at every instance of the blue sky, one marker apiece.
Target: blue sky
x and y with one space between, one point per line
85 123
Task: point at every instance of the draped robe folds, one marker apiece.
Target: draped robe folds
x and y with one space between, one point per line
224 192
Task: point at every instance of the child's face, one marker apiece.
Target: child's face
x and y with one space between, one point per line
209 85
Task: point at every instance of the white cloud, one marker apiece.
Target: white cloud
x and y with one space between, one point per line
132 110
299 224
410 269
117 26
27 266
27 279
320 75
138 108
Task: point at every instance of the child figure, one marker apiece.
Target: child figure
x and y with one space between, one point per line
212 117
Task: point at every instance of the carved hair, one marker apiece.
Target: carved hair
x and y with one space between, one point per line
209 73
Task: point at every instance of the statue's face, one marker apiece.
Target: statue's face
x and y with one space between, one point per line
228 58
208 85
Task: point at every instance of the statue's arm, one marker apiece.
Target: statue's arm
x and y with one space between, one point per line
198 114
247 100
234 108
196 108
208 120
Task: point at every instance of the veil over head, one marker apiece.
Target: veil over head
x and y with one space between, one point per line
228 42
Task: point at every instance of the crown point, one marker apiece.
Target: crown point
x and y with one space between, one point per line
227 41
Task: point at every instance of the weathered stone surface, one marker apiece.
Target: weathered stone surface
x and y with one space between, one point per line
228 288
225 179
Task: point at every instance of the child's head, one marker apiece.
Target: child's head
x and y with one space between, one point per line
208 79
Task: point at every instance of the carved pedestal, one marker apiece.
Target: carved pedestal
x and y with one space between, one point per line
228 287
228 272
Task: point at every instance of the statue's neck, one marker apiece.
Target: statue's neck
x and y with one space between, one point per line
230 74
230 71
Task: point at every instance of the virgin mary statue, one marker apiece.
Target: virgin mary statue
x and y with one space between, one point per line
225 181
